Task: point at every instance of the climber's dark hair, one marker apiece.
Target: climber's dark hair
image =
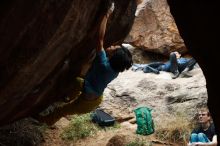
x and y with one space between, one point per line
121 59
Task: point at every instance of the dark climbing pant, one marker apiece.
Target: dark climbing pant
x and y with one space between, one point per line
191 64
78 104
173 63
174 66
153 67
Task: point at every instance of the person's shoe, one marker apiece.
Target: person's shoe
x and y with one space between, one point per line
175 74
77 87
157 72
66 99
186 74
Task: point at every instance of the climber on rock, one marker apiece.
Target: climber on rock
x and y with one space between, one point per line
90 89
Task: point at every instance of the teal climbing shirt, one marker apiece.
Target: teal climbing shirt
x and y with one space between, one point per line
99 75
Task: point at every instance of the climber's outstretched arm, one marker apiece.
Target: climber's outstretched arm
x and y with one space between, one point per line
102 28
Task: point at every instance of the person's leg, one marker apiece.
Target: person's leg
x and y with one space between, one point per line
136 67
193 138
77 87
79 106
155 64
174 65
189 67
83 104
191 64
202 138
148 69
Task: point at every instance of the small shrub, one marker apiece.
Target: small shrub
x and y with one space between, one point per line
117 140
25 132
80 127
139 142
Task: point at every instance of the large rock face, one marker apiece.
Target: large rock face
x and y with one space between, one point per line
44 44
154 28
198 24
161 93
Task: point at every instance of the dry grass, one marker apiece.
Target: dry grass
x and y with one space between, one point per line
25 132
176 129
139 142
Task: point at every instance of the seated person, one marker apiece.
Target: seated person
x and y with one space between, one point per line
204 134
103 70
175 65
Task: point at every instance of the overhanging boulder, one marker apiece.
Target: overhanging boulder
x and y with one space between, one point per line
198 25
45 44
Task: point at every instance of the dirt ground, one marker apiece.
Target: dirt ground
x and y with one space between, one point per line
126 132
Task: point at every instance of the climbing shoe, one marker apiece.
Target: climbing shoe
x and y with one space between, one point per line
175 74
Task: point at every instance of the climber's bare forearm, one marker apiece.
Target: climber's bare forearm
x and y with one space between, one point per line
102 30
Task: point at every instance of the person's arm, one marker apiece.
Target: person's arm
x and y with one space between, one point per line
102 29
214 141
